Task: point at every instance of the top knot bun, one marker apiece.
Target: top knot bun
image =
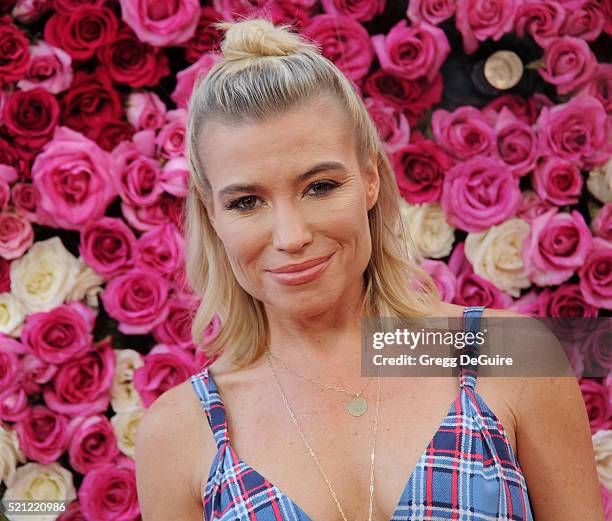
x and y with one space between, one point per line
259 37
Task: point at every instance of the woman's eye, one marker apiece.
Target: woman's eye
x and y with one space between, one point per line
322 187
243 203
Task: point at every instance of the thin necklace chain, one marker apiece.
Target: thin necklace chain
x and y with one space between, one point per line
332 387
372 454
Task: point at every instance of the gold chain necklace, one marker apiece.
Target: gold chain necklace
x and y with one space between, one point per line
358 404
372 454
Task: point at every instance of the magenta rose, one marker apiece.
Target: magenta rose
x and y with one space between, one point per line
170 141
139 176
207 38
443 277
145 110
578 131
568 63
73 512
596 274
522 108
42 434
600 86
165 366
420 168
598 406
5 276
160 250
138 300
75 180
175 176
35 373
14 403
392 126
517 143
565 301
187 78
557 181
59 335
81 386
108 245
433 12
532 206
474 290
479 20
108 492
344 41
602 224
543 20
9 365
49 67
92 442
16 235
5 194
362 10
161 22
25 199
586 22
464 133
176 329
557 245
480 193
148 217
14 50
412 51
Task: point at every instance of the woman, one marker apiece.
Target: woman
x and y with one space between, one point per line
291 235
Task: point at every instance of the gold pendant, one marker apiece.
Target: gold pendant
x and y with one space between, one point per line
357 406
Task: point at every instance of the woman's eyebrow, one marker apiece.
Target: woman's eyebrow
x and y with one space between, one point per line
254 187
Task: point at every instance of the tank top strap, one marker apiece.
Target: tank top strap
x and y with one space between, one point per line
206 389
470 322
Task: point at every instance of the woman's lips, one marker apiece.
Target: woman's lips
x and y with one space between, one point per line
302 276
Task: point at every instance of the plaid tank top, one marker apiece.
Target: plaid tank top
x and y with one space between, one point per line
467 472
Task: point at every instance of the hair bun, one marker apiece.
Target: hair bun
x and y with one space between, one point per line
258 37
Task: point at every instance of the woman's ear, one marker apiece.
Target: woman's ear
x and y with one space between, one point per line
373 183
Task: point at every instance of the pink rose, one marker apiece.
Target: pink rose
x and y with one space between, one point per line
557 245
480 193
49 67
165 367
517 144
557 181
138 300
412 51
443 277
596 400
35 372
433 12
148 217
5 194
174 176
392 126
13 403
600 86
138 181
73 512
586 22
344 41
602 224
92 442
42 434
59 335
176 329
420 168
532 206
565 301
543 20
596 274
145 110
524 109
594 343
81 386
108 492
187 78
362 10
9 365
108 245
25 198
161 22
578 131
160 250
479 20
568 63
464 133
75 180
16 235
170 141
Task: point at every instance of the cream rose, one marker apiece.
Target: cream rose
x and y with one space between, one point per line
602 445
496 255
45 482
599 182
10 455
124 396
12 315
86 286
428 229
44 276
125 425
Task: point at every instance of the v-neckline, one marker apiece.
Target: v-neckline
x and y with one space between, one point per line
452 410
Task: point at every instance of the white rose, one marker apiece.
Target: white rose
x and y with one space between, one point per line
599 182
124 396
44 276
12 315
602 445
428 229
496 255
125 425
42 482
86 286
10 455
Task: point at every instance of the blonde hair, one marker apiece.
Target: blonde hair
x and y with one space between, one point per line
266 70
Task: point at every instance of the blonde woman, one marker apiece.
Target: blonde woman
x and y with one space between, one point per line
291 235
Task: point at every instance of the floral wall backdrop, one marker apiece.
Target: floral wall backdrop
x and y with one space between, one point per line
507 192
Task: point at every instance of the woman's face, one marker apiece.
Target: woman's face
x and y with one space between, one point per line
288 191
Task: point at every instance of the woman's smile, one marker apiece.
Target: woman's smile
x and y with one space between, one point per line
295 278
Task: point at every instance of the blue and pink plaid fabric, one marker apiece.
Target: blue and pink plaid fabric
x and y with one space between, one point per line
468 472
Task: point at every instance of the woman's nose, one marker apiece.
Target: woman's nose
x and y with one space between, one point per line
291 231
